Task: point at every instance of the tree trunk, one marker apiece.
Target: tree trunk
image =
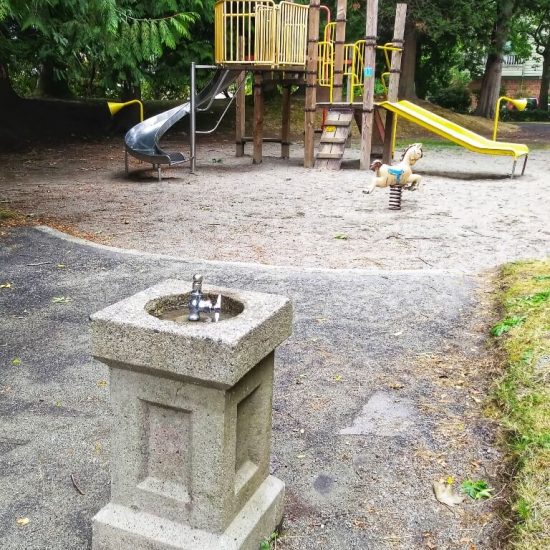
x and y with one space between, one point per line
7 94
490 86
51 84
492 77
545 80
407 88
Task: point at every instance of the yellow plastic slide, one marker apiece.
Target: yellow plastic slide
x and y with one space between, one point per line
455 133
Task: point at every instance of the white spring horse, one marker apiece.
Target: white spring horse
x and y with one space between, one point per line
399 174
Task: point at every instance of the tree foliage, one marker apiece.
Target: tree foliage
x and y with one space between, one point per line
95 47
119 48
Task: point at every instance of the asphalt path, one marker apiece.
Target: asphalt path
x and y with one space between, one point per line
352 410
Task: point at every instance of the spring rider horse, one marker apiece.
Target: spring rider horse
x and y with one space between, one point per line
399 176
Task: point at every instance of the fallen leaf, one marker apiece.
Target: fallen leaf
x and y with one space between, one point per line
22 521
444 493
338 377
61 300
6 285
16 362
341 236
101 383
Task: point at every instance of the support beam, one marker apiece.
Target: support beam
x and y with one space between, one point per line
339 49
393 87
240 107
285 123
258 129
311 83
368 89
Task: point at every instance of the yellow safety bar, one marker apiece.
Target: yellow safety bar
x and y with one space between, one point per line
329 34
325 66
353 68
354 64
258 32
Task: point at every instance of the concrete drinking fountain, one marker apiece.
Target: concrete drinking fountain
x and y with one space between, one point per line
192 404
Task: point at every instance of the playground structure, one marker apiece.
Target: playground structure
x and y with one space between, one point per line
282 43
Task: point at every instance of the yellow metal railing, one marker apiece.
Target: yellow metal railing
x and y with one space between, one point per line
354 63
329 35
353 67
235 21
292 35
265 34
325 66
259 32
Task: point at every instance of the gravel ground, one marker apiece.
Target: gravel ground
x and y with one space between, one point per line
378 393
469 216
380 390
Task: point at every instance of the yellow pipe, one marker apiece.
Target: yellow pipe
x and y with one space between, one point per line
115 107
519 104
383 82
394 135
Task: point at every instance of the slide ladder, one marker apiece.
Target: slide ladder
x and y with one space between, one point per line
333 140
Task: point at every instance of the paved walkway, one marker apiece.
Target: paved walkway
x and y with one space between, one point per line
378 394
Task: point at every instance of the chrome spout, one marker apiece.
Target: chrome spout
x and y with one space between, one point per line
198 304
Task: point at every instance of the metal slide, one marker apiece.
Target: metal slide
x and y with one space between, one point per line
142 141
456 133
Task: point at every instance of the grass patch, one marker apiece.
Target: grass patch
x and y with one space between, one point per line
7 214
523 396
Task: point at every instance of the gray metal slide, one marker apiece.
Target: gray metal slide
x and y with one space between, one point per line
142 141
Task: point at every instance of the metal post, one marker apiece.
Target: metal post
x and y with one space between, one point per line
368 84
192 120
524 165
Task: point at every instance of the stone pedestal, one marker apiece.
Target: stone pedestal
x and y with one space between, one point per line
192 422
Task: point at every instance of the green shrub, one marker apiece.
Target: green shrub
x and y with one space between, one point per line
536 115
456 98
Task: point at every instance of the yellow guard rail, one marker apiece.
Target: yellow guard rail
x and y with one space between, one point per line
260 33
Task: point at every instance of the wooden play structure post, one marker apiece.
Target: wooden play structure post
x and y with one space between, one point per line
371 28
395 74
285 123
341 11
311 83
240 108
258 118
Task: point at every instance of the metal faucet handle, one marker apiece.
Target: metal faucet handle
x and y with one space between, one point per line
197 282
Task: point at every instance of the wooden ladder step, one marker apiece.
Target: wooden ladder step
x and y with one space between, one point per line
330 155
337 122
333 139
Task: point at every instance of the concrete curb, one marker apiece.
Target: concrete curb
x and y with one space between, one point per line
249 265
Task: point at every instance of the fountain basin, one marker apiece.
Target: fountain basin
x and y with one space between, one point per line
175 308
218 354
